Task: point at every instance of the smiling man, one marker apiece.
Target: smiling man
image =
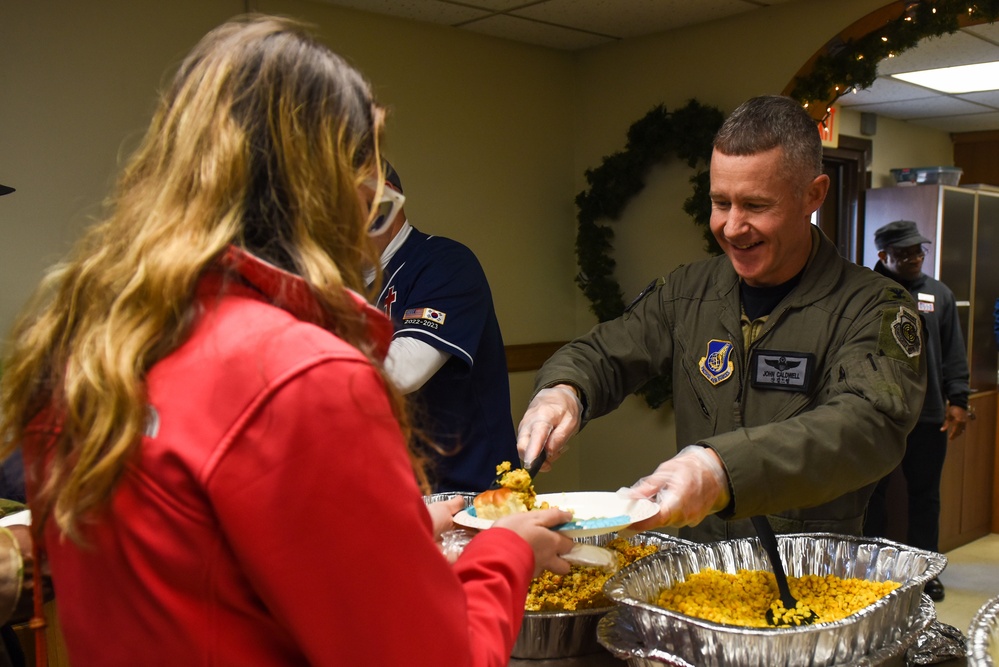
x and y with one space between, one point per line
796 373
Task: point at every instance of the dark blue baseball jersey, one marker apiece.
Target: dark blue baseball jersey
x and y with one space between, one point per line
435 291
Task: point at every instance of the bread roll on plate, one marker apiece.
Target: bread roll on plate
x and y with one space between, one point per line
494 503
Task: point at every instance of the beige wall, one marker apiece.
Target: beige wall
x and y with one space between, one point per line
491 138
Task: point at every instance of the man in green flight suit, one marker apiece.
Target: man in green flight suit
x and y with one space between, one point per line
796 373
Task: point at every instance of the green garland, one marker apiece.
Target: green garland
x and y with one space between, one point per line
689 131
853 64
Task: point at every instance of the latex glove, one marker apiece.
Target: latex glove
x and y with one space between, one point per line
687 488
552 417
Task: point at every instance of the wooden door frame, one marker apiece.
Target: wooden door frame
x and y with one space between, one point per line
853 155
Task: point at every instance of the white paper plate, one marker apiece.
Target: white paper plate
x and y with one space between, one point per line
594 512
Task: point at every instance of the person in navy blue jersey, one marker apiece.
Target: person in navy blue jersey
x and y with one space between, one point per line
447 352
944 414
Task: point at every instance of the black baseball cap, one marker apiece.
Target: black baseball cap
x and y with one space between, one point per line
898 234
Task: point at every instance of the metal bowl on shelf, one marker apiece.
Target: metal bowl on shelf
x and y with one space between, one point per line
565 634
983 636
707 644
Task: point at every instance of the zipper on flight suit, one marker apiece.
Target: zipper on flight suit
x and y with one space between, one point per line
757 342
753 344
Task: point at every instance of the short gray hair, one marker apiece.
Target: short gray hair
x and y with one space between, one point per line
771 121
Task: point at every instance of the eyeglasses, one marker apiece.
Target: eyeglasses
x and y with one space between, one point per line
385 209
907 254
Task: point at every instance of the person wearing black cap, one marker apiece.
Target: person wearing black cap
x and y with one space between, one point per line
945 408
447 352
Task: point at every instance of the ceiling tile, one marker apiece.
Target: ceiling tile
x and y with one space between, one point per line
939 105
542 34
969 123
989 97
431 11
989 31
885 90
633 18
957 49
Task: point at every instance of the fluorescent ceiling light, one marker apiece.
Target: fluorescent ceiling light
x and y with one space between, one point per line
960 79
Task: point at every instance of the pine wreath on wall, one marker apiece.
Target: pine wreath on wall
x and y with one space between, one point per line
686 133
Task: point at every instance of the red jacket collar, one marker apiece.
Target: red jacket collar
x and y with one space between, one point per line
291 293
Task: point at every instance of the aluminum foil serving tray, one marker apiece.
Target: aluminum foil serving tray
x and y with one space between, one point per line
548 635
983 636
708 644
616 632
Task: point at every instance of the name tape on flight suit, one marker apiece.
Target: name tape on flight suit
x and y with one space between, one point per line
787 371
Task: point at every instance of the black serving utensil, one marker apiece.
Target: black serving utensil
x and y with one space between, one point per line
532 471
769 541
536 464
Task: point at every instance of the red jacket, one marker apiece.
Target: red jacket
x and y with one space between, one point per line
271 516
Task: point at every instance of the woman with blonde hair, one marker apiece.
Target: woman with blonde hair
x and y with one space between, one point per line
217 468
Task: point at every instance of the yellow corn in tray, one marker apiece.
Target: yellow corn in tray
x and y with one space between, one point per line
583 587
743 598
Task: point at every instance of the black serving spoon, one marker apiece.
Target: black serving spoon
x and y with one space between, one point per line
538 461
769 542
532 471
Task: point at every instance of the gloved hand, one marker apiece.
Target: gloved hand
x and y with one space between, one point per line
551 419
687 487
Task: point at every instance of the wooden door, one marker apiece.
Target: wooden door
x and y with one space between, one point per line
979 460
966 489
951 494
